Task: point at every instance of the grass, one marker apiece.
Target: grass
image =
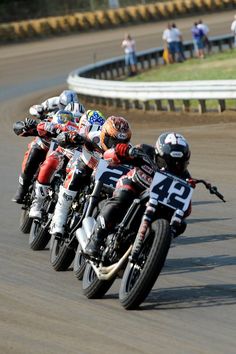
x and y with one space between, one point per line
218 66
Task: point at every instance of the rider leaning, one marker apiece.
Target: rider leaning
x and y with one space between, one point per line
38 148
59 159
115 130
171 153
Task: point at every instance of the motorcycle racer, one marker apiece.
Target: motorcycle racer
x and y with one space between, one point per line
171 153
38 148
58 158
36 151
115 130
53 104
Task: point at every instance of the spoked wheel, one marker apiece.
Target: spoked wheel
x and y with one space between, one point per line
25 221
61 256
94 288
139 277
79 263
39 236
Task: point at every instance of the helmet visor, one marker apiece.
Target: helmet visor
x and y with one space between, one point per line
110 141
177 166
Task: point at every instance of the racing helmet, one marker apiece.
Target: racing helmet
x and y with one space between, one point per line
114 131
66 97
92 117
62 117
172 153
77 109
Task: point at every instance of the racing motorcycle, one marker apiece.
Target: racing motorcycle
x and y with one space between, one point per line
138 247
40 229
25 221
87 204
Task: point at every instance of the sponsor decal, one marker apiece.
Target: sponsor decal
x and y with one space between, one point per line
122 136
177 154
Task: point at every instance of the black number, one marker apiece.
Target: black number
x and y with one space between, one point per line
173 200
162 189
111 176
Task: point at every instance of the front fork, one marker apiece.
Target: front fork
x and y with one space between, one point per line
143 228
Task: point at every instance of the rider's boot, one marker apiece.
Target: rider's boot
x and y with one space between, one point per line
65 199
41 192
22 189
93 248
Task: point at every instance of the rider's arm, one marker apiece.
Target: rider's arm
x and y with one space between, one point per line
51 104
118 154
47 129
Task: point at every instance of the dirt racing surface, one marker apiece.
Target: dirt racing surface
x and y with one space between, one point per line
192 307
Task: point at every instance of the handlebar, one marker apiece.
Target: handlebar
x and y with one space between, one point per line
93 145
143 155
208 186
192 181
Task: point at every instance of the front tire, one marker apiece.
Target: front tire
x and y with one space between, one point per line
61 256
139 277
25 221
79 263
93 288
39 236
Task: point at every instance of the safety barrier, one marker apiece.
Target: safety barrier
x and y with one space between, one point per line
44 27
94 82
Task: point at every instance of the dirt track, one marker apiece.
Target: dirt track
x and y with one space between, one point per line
192 308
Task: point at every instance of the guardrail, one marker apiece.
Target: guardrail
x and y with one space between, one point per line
96 83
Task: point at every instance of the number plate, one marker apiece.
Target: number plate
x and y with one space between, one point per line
109 175
169 191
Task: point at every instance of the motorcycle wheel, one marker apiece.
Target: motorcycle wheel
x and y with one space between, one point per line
25 221
93 288
39 236
79 263
139 277
61 256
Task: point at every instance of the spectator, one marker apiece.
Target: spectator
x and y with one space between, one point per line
128 45
233 30
179 44
169 42
205 30
197 35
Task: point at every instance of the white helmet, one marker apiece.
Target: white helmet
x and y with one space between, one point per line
66 97
77 109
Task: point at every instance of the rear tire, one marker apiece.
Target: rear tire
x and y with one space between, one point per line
139 279
61 256
93 288
39 236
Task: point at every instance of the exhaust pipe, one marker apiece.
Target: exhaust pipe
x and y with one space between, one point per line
106 273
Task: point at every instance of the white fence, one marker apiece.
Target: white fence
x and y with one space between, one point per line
149 95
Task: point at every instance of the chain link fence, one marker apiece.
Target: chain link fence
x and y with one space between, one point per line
16 10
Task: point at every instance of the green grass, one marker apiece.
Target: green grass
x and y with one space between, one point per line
220 66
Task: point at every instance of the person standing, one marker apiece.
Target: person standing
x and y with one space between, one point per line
129 47
179 44
169 42
233 30
197 35
205 30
